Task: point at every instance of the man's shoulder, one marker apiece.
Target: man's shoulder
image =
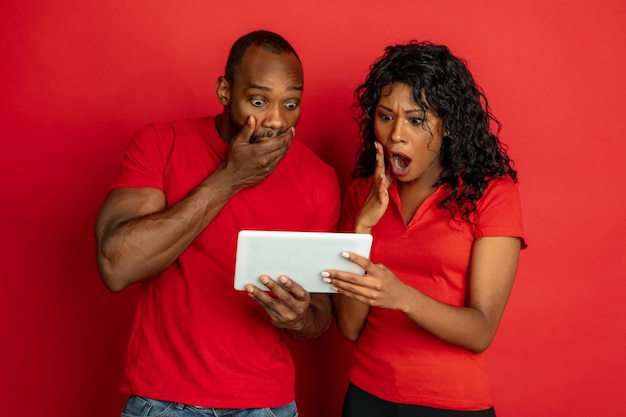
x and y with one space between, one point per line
360 186
303 154
180 124
196 123
168 132
309 168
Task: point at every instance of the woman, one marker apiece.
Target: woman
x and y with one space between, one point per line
436 189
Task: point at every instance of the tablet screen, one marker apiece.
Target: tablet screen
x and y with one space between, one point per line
301 256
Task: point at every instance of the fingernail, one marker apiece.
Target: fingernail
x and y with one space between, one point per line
345 255
326 280
283 279
325 273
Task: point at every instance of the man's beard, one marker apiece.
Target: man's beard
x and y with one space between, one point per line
267 134
255 136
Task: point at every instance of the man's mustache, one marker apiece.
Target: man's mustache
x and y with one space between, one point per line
267 134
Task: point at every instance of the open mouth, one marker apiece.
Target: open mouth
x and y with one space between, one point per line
399 163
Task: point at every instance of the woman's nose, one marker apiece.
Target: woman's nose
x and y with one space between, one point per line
397 133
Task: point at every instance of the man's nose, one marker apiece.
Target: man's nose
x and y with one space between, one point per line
274 118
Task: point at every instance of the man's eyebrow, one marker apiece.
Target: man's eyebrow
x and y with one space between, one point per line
265 88
260 87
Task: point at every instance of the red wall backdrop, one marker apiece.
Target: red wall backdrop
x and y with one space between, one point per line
79 78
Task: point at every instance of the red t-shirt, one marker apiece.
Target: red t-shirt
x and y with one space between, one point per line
195 339
395 359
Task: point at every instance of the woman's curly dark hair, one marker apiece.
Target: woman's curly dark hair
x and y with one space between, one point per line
471 154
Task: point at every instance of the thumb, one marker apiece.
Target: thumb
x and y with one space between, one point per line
246 131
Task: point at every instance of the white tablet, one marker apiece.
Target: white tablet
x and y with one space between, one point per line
301 256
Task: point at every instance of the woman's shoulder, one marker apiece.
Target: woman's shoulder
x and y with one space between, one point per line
500 207
504 185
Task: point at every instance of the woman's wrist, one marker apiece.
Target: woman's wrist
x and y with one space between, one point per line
362 229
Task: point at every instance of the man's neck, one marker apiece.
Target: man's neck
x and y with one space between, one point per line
223 127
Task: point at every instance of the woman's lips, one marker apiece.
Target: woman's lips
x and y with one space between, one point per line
399 163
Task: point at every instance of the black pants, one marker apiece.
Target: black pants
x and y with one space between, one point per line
359 403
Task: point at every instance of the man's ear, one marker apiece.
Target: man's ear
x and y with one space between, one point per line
222 88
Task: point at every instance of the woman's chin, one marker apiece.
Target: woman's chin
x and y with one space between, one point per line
399 172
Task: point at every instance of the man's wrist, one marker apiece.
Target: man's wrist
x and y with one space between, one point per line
316 321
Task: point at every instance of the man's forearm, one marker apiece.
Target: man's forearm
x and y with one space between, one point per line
133 249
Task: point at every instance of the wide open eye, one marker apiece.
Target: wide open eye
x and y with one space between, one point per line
257 102
291 105
416 121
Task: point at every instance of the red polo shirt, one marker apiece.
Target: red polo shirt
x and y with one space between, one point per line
395 359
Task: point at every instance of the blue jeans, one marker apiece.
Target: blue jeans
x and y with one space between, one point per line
143 407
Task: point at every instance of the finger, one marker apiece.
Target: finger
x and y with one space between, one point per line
293 288
381 174
387 178
351 285
280 142
356 295
246 131
254 291
263 298
283 308
287 291
359 260
380 160
383 184
289 135
272 150
342 279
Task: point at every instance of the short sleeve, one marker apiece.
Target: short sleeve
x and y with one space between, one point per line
499 211
327 201
352 203
145 158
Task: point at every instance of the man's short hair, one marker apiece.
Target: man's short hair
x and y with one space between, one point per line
267 40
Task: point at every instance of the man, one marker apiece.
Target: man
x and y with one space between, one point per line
171 221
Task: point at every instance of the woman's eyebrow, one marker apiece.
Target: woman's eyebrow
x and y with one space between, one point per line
420 111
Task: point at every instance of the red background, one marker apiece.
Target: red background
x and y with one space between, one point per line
79 78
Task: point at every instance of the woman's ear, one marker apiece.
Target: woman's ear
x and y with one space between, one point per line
222 88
